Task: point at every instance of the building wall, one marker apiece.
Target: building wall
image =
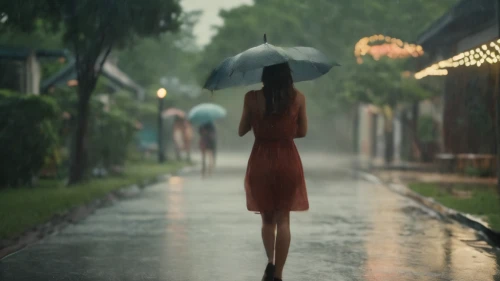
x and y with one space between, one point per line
477 39
364 139
11 75
370 132
398 137
21 75
371 141
434 108
379 138
469 113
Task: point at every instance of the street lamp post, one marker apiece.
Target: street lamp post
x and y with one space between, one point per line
161 94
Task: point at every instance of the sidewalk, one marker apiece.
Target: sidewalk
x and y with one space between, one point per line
407 177
379 164
472 201
190 229
368 164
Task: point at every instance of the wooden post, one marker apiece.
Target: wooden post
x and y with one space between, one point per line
355 132
161 149
355 138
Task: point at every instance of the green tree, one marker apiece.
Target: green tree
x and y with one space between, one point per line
41 36
333 27
382 83
28 136
91 28
170 54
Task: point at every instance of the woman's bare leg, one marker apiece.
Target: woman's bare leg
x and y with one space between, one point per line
188 153
203 164
177 152
282 241
269 234
210 160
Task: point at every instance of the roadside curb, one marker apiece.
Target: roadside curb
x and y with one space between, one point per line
77 214
444 212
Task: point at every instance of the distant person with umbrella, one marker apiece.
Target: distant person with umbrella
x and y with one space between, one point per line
204 115
182 132
274 181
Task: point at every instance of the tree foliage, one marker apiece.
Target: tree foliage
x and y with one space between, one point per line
39 37
382 83
27 137
334 27
91 28
168 55
109 22
111 132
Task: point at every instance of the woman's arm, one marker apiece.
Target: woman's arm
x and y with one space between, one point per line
245 125
302 118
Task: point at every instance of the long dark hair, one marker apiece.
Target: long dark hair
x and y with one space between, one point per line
278 88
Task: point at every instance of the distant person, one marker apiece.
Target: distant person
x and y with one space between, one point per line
274 181
208 146
182 134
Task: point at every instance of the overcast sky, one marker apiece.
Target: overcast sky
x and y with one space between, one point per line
210 15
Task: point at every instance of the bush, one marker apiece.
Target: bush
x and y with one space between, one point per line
472 171
427 131
110 129
110 134
27 136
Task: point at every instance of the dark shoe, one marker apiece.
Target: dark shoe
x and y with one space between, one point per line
277 279
269 273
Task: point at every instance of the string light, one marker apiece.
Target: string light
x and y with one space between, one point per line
391 47
487 53
433 70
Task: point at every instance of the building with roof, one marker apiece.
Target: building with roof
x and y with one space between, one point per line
462 45
20 71
20 67
115 79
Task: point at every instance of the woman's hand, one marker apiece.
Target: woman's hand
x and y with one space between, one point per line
245 125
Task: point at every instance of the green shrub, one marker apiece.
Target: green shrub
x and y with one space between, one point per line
110 130
110 134
426 129
27 136
472 171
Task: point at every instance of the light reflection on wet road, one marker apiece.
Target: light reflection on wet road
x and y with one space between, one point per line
194 229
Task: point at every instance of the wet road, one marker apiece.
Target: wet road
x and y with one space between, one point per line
194 229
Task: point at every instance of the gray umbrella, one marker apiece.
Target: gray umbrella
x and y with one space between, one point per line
246 68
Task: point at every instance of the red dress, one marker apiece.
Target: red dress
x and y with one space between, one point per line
274 178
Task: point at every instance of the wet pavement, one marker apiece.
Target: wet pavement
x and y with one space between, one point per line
194 229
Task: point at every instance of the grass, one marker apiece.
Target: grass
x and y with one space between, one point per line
479 200
25 207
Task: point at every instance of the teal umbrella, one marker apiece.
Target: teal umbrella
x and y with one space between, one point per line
206 113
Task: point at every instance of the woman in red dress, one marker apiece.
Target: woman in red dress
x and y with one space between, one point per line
274 181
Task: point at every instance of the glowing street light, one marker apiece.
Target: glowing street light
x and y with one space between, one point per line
161 93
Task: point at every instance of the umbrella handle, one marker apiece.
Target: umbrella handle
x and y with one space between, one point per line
265 38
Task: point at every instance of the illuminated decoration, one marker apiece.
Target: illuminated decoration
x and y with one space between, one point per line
392 47
487 53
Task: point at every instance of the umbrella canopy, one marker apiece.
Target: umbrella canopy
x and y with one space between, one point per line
172 112
246 68
206 113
